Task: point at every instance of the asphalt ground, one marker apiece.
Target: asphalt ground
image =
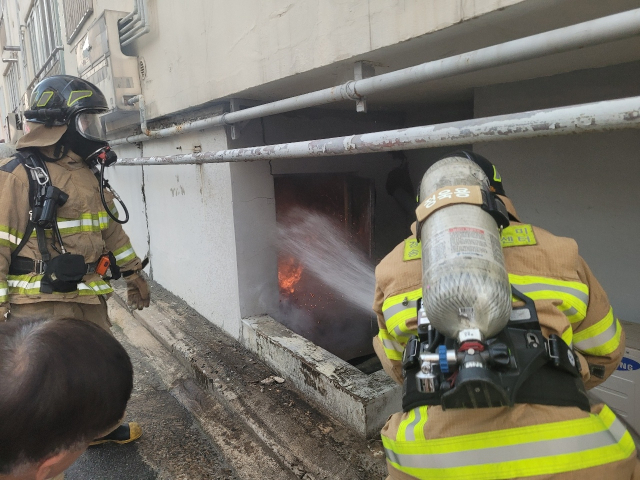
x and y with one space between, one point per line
172 445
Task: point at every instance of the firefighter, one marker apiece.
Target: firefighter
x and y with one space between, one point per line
59 226
532 439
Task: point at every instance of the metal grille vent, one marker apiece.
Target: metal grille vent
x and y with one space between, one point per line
142 66
76 12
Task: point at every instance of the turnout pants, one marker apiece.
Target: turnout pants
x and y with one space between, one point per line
56 310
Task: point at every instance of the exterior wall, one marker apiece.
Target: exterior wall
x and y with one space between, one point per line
247 44
183 217
581 186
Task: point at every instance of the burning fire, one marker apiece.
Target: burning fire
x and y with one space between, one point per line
289 273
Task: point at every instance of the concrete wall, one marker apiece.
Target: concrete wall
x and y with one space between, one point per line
199 51
182 215
581 186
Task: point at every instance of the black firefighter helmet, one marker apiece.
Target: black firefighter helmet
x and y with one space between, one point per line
60 103
55 100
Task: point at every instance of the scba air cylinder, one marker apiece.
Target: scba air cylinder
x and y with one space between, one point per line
465 285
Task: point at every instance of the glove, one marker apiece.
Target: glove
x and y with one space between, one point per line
137 291
4 311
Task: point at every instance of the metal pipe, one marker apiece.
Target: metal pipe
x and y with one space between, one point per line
139 99
589 117
138 34
128 34
129 16
130 26
131 33
593 32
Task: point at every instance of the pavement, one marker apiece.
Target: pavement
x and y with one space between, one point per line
210 409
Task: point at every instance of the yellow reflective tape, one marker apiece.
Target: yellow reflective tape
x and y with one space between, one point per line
496 175
541 450
412 427
567 336
393 349
78 95
517 236
399 321
419 428
608 347
595 329
405 424
412 249
401 297
44 99
4 292
574 295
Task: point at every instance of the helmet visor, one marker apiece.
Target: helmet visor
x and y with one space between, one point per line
90 126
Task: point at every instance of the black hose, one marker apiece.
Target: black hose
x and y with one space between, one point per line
104 183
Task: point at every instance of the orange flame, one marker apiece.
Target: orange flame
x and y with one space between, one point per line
289 273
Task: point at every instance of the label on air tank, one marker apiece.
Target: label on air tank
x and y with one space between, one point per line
464 242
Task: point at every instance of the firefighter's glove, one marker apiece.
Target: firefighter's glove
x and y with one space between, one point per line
4 311
137 291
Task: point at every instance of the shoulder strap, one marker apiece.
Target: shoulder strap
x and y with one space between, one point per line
38 176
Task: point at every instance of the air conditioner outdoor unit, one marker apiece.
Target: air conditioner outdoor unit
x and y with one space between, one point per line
101 62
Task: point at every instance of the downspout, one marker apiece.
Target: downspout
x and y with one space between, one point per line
589 117
593 32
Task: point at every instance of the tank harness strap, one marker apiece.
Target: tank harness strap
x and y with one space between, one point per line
39 180
548 376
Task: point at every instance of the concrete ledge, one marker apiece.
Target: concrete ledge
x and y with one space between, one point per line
364 402
288 428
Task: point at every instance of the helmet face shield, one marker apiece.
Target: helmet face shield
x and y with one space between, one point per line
90 126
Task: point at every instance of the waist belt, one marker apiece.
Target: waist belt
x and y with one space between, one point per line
24 266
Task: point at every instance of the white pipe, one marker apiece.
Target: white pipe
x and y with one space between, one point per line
145 30
589 117
593 32
129 26
129 16
131 32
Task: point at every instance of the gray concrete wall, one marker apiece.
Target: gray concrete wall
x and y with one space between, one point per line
581 186
185 220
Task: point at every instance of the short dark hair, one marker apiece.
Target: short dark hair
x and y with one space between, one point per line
62 384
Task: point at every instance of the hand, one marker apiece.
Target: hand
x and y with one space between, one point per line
137 291
4 311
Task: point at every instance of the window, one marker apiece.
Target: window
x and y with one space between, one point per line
11 81
44 36
76 12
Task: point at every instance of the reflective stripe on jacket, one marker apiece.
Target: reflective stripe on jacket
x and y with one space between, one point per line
84 224
581 442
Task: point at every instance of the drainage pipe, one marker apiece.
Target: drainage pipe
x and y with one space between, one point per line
129 16
137 27
593 32
589 117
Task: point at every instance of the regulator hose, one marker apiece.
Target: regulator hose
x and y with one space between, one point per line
105 183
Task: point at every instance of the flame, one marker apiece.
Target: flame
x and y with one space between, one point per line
289 273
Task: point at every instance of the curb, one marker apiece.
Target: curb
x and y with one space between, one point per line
302 438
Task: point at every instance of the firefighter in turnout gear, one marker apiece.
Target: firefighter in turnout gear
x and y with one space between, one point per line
61 238
544 434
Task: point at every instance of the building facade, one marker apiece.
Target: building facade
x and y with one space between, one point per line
211 230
